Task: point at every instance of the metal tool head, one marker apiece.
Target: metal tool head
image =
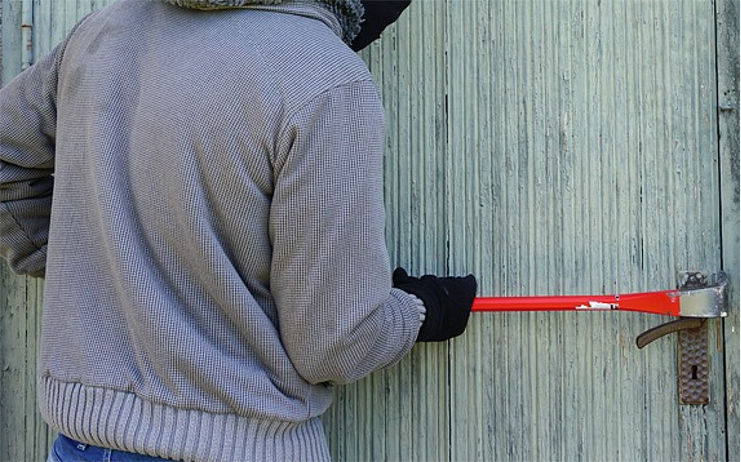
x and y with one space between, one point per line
700 299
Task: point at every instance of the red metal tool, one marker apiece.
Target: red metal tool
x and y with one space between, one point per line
705 302
694 302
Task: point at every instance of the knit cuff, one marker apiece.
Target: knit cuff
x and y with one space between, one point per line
420 307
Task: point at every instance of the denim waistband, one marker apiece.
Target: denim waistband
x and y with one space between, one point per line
68 449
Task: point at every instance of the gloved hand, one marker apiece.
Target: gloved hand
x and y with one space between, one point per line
447 300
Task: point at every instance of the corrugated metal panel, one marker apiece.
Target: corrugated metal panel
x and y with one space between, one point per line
550 147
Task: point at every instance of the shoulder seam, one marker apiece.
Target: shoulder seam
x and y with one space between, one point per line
310 99
305 104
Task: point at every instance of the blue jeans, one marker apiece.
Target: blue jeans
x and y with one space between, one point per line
69 450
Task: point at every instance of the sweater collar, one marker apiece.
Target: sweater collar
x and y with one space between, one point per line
342 16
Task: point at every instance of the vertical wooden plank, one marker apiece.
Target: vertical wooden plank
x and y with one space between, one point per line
401 413
631 262
727 24
13 367
701 139
460 121
1 42
19 421
39 436
11 40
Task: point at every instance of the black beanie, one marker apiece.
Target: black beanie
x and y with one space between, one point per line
378 15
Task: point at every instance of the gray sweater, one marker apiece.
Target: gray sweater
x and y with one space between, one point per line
203 191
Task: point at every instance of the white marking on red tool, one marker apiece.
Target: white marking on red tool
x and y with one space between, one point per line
598 306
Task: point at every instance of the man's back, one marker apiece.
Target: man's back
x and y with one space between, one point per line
216 253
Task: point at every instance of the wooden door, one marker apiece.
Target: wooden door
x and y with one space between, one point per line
564 146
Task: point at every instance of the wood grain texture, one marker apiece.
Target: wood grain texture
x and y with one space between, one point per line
1 42
580 157
23 434
572 211
11 40
727 24
385 416
557 147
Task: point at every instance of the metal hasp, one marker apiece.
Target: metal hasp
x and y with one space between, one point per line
699 301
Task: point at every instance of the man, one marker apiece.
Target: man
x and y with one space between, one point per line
214 245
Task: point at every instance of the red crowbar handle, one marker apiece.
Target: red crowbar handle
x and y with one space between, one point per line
666 302
705 302
694 302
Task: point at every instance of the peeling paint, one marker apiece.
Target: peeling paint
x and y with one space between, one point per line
598 306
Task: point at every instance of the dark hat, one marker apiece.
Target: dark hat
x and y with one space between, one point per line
378 15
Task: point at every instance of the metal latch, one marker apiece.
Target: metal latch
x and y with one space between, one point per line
692 333
693 302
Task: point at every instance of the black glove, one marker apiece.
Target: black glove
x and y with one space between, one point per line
378 15
448 302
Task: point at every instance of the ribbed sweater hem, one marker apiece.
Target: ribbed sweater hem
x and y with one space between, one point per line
122 420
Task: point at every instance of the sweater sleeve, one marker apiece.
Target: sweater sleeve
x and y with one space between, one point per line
339 317
28 128
27 137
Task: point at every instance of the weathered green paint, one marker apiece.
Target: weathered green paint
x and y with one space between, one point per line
11 39
23 434
549 147
575 150
727 26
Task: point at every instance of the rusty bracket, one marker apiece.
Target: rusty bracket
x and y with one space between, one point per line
692 346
